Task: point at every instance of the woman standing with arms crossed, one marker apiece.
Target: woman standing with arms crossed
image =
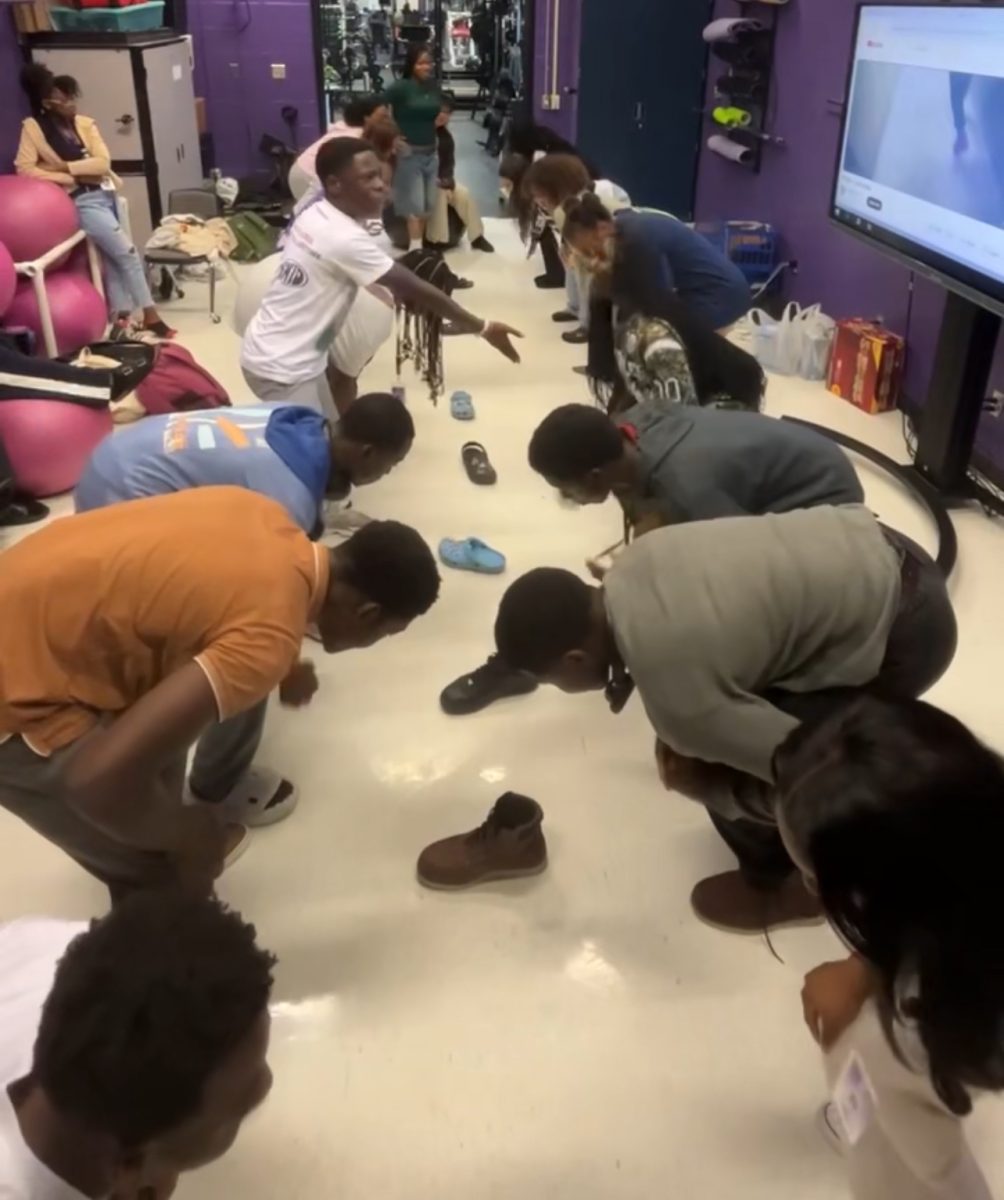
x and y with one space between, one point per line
416 102
65 148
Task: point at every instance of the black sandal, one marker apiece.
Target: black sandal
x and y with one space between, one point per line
479 469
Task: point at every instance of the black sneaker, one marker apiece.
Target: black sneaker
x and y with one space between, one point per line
492 681
483 244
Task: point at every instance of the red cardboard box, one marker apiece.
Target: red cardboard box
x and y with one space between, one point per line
866 366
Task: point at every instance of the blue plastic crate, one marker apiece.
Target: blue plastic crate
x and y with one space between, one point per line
751 245
132 19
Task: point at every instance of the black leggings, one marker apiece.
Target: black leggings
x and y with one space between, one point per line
920 647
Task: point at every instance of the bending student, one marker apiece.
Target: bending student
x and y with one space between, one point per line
452 196
734 631
670 257
166 623
290 454
134 1047
551 182
328 256
359 115
892 812
665 465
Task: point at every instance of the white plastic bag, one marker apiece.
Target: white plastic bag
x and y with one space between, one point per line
797 344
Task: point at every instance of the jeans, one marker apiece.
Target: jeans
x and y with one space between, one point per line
31 787
577 294
464 205
125 274
919 649
416 182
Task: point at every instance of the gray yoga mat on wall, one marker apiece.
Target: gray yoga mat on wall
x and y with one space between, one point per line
718 143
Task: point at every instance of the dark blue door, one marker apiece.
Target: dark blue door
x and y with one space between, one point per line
641 91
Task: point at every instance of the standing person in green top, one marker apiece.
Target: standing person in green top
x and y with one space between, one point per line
416 103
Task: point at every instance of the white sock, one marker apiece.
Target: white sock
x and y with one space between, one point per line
415 244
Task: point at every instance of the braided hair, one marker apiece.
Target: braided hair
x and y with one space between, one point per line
419 332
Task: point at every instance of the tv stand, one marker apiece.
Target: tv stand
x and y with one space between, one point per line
947 424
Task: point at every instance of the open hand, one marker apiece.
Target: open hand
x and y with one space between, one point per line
497 336
300 685
832 998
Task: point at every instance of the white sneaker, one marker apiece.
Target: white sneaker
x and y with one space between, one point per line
344 520
260 797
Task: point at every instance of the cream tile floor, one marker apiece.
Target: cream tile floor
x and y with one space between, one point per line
581 1035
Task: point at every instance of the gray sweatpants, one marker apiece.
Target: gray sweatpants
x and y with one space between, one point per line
913 1148
311 393
31 787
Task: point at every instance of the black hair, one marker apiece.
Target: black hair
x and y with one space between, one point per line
67 85
543 615
358 108
144 1008
420 332
561 177
416 51
37 83
528 139
378 419
721 371
573 440
337 153
899 811
392 566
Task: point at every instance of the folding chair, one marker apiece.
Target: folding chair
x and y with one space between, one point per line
200 202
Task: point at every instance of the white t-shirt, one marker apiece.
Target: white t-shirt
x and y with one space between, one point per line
30 948
326 258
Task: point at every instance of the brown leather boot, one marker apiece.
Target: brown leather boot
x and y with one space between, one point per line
508 845
728 902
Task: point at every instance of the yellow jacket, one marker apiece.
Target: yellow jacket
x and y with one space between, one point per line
35 157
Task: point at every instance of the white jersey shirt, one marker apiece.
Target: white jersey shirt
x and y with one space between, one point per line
326 258
30 948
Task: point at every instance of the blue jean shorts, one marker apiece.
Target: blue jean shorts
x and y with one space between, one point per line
415 181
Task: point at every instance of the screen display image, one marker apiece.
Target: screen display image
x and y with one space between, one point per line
921 166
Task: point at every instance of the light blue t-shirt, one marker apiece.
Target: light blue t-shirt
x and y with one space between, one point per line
196 449
685 262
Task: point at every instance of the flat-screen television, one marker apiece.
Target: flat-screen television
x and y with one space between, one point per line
920 171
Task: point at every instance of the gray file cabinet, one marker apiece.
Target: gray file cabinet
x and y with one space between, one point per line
139 90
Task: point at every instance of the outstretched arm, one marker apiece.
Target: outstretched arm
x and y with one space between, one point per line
406 287
113 780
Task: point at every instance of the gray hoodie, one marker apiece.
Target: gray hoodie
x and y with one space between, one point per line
710 615
701 463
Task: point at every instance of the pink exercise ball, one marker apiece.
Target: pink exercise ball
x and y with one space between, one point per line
8 278
49 442
34 216
79 313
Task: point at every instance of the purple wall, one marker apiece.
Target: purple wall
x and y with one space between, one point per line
564 120
242 103
12 103
792 190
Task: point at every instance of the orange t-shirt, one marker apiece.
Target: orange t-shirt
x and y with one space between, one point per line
97 609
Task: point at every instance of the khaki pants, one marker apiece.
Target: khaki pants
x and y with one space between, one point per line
913 1148
461 200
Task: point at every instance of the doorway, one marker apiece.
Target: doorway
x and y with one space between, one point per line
642 76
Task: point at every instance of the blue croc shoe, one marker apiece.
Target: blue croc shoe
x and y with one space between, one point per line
462 406
471 554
